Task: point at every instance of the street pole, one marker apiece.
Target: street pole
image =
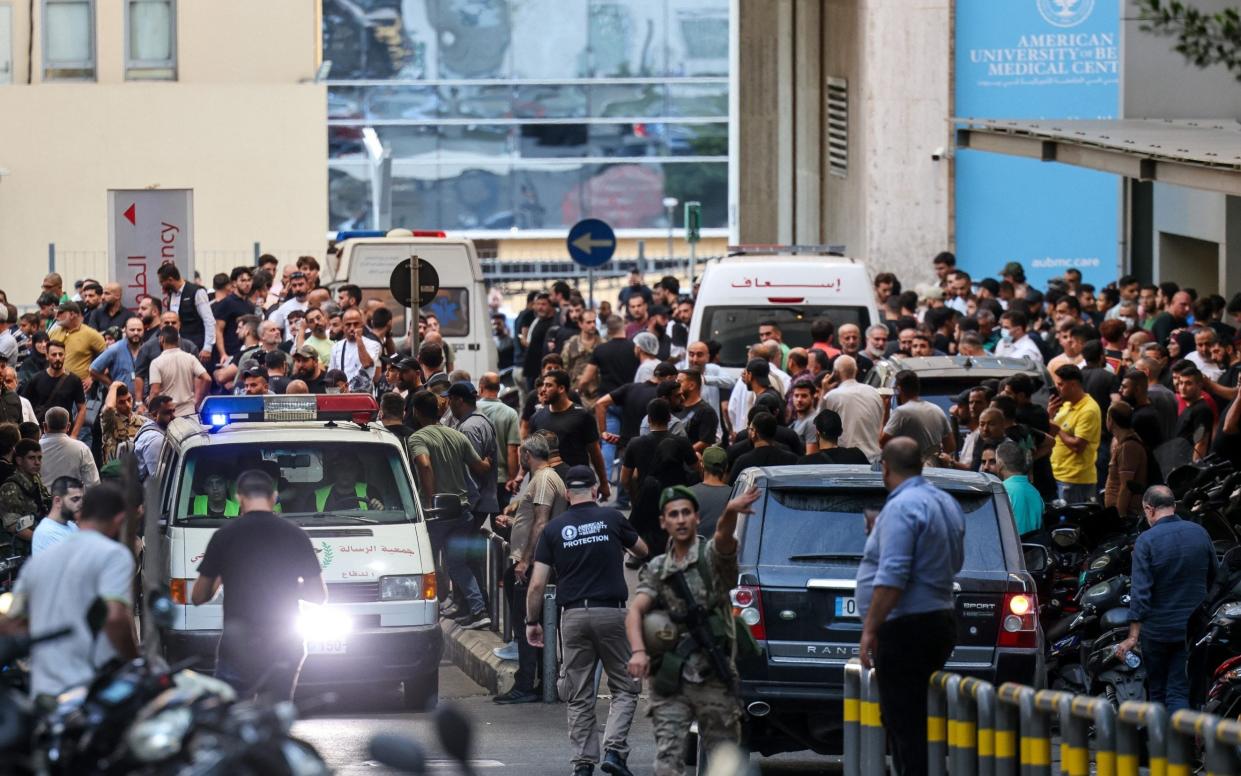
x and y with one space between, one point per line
415 293
669 204
590 280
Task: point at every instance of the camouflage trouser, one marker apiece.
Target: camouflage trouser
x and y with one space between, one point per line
719 720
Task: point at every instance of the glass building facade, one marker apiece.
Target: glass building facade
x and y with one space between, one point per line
529 114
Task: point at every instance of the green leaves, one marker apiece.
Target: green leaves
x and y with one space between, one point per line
1205 39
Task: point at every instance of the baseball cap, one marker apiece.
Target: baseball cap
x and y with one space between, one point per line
931 292
438 384
676 493
305 351
578 476
760 370
647 343
463 390
69 307
660 309
664 369
407 363
714 457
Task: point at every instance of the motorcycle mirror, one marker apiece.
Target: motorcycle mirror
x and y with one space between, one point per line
1037 558
1064 537
398 752
160 607
97 615
455 732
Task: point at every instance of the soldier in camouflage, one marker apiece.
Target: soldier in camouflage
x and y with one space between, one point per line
684 684
23 499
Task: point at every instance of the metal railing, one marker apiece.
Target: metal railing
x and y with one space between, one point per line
976 728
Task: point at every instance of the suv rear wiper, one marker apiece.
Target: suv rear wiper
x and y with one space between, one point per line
826 556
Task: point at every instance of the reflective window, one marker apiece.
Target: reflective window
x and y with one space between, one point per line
505 115
68 39
151 40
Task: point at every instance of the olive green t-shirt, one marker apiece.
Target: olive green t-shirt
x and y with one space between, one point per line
451 453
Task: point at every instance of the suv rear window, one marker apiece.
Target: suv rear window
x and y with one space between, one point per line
822 525
736 328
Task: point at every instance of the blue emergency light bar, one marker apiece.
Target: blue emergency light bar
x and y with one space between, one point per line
219 411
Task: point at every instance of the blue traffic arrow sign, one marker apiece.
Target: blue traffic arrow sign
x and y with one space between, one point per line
591 242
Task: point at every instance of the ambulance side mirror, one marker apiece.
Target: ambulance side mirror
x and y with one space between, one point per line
444 506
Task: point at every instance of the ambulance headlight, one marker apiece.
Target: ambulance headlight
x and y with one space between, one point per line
404 587
318 623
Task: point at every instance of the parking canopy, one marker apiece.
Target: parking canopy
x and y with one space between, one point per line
1198 153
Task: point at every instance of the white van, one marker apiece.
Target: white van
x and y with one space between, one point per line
460 305
381 619
785 284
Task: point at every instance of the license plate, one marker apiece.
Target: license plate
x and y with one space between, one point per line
332 647
846 607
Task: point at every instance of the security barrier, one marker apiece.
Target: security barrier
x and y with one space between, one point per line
975 728
863 731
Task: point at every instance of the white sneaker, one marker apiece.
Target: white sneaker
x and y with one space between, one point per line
506 652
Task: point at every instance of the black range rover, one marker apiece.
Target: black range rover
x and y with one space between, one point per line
798 560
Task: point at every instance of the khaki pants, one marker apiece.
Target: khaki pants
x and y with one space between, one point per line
710 703
589 636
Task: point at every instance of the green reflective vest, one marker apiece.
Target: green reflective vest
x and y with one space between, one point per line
359 489
231 508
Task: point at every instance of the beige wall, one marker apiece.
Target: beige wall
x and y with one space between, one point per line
244 126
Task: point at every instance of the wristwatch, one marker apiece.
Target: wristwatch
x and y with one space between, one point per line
536 622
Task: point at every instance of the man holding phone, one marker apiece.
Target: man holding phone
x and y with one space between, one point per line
1076 428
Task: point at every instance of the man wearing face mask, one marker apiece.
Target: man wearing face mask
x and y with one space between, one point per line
1014 341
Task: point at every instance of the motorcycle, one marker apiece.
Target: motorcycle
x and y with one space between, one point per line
1082 649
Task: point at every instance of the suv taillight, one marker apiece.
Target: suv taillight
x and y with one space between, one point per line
748 605
1018 621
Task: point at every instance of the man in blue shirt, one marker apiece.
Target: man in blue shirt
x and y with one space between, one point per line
904 593
1024 498
117 362
1173 567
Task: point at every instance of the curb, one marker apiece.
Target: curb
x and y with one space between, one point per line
471 651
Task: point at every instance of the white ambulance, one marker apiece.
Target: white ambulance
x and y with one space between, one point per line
461 304
381 619
789 284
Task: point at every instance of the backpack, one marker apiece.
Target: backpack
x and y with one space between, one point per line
10 407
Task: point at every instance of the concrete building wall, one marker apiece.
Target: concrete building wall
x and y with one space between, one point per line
891 208
243 125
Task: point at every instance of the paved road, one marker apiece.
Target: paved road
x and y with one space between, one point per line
525 740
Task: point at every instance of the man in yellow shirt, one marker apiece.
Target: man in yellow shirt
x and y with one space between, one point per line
1076 426
82 343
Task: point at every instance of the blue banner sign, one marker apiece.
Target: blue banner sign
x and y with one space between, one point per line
1036 59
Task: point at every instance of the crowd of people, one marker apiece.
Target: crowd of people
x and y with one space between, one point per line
1138 379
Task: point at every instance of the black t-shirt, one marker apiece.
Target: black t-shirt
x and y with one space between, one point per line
531 404
1164 324
1100 384
586 546
575 429
702 422
536 338
641 456
633 398
45 391
1194 421
785 437
838 456
260 557
229 309
616 363
769 455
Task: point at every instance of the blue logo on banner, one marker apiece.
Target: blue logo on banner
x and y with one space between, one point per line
1019 60
1065 13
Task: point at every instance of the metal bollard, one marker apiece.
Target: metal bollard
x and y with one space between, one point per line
853 718
1227 739
1185 727
982 696
1007 716
495 593
1100 713
936 724
960 729
1154 718
1074 760
873 737
551 641
1035 731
